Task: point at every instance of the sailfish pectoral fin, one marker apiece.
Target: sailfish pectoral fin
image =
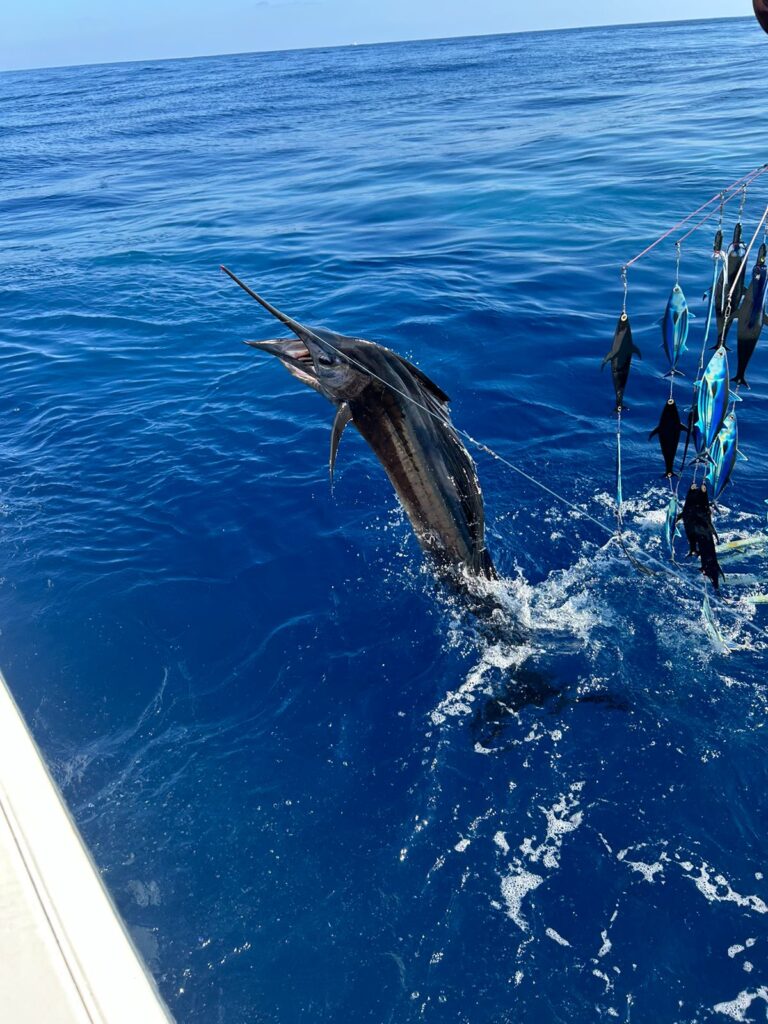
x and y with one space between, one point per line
342 418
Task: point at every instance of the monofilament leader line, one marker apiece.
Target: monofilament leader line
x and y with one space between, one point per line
730 192
678 247
619 494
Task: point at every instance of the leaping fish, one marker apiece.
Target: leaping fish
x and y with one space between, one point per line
620 358
674 330
403 415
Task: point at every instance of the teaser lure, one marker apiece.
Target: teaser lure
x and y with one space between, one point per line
620 358
674 330
668 432
712 402
723 456
752 316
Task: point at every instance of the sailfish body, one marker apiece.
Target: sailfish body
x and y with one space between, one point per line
403 415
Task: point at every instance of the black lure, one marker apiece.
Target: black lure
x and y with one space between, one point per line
620 358
727 281
668 432
697 518
752 317
709 563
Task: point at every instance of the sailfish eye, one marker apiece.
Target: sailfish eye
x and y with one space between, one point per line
324 359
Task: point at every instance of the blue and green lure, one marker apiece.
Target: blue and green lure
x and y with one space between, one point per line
712 402
722 456
674 329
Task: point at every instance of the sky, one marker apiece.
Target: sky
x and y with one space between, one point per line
51 33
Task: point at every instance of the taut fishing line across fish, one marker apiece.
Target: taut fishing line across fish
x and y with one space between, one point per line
662 571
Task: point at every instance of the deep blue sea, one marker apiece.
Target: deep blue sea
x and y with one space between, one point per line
317 791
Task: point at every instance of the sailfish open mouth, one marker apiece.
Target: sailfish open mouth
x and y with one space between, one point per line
294 355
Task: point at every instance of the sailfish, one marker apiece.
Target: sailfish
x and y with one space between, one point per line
404 417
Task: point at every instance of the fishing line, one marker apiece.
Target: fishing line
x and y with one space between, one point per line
625 286
745 179
763 221
678 252
618 468
743 202
724 200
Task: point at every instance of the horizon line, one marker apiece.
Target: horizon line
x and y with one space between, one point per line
384 42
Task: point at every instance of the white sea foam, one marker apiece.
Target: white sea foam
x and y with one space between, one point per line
562 605
562 818
648 871
514 888
714 886
496 657
737 1008
604 978
501 841
717 889
552 934
606 946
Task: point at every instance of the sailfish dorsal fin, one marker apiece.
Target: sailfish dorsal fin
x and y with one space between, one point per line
426 382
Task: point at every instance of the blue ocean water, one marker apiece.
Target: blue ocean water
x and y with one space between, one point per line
316 790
